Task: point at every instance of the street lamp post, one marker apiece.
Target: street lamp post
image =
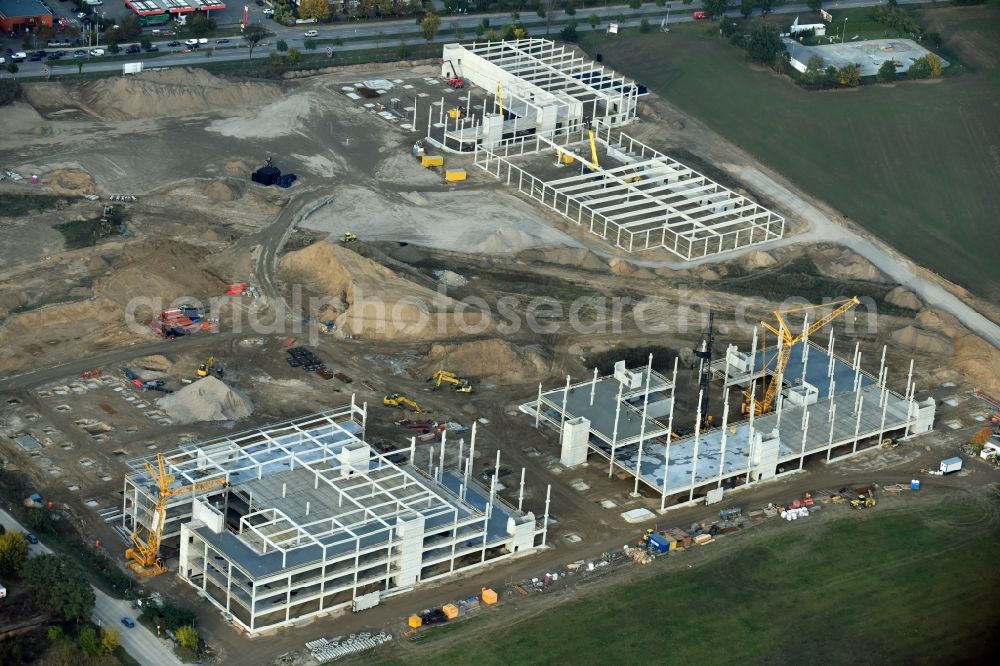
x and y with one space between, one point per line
843 35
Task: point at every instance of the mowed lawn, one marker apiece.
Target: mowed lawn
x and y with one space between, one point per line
917 164
900 587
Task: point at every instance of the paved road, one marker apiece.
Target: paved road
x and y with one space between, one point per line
235 49
138 641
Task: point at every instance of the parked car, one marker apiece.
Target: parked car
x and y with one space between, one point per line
54 56
128 622
190 42
96 52
173 43
268 12
79 53
700 16
3 61
35 57
133 48
311 33
152 47
19 56
31 538
222 41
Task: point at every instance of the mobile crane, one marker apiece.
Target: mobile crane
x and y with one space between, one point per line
143 557
787 340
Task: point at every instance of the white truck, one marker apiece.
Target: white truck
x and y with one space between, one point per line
950 465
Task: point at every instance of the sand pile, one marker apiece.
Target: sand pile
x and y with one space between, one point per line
621 267
173 92
758 259
506 241
905 299
577 257
844 264
980 361
920 340
220 190
238 168
69 181
493 359
207 399
274 118
161 269
372 301
156 362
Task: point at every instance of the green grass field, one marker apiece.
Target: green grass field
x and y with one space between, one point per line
917 164
901 586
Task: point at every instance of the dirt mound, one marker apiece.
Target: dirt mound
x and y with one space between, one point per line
902 298
173 92
758 259
506 241
577 257
621 267
980 362
238 168
920 340
844 264
57 333
69 181
939 322
166 270
371 301
220 190
157 362
488 359
207 399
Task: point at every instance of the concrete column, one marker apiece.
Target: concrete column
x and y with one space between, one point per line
538 406
829 443
593 387
562 417
520 492
857 425
614 433
725 436
829 353
642 426
697 441
545 519
805 433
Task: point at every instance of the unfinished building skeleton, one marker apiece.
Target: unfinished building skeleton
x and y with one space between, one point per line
551 133
313 520
828 410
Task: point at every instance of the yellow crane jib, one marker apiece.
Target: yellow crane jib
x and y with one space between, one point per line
786 340
596 164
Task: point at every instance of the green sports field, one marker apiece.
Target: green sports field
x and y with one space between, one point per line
917 163
910 583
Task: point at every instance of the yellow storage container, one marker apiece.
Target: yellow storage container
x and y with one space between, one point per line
450 611
566 158
454 175
489 596
432 161
414 621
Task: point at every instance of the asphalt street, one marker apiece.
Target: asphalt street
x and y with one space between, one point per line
138 641
382 33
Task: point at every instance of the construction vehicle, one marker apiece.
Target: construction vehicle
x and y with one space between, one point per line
456 113
890 443
444 377
397 400
786 341
143 557
205 368
456 82
350 237
863 502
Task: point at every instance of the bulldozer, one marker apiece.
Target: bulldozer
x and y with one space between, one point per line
397 400
444 377
863 502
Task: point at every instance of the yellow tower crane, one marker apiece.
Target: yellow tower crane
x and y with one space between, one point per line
786 340
143 557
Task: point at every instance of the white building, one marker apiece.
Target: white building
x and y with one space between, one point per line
315 521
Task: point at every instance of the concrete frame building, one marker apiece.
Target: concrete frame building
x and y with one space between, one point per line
315 521
829 409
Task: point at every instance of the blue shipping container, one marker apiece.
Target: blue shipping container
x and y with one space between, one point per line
662 545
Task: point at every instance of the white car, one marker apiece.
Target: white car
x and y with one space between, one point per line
268 12
190 42
311 33
96 52
20 56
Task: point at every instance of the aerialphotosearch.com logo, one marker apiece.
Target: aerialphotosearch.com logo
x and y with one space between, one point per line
358 314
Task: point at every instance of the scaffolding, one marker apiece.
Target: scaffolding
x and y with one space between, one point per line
314 520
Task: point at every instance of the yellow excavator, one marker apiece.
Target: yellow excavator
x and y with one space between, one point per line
143 557
458 383
397 400
787 340
205 368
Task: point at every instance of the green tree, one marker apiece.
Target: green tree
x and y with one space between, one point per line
13 552
886 72
746 7
109 640
187 636
714 8
635 4
79 65
644 25
766 6
593 20
281 45
294 56
55 633
569 34
849 76
60 586
317 9
253 34
480 31
201 24
934 63
114 48
571 10
88 641
814 5
919 69
764 42
145 43
429 26
309 44
129 27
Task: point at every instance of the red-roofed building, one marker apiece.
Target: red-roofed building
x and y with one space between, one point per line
21 15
